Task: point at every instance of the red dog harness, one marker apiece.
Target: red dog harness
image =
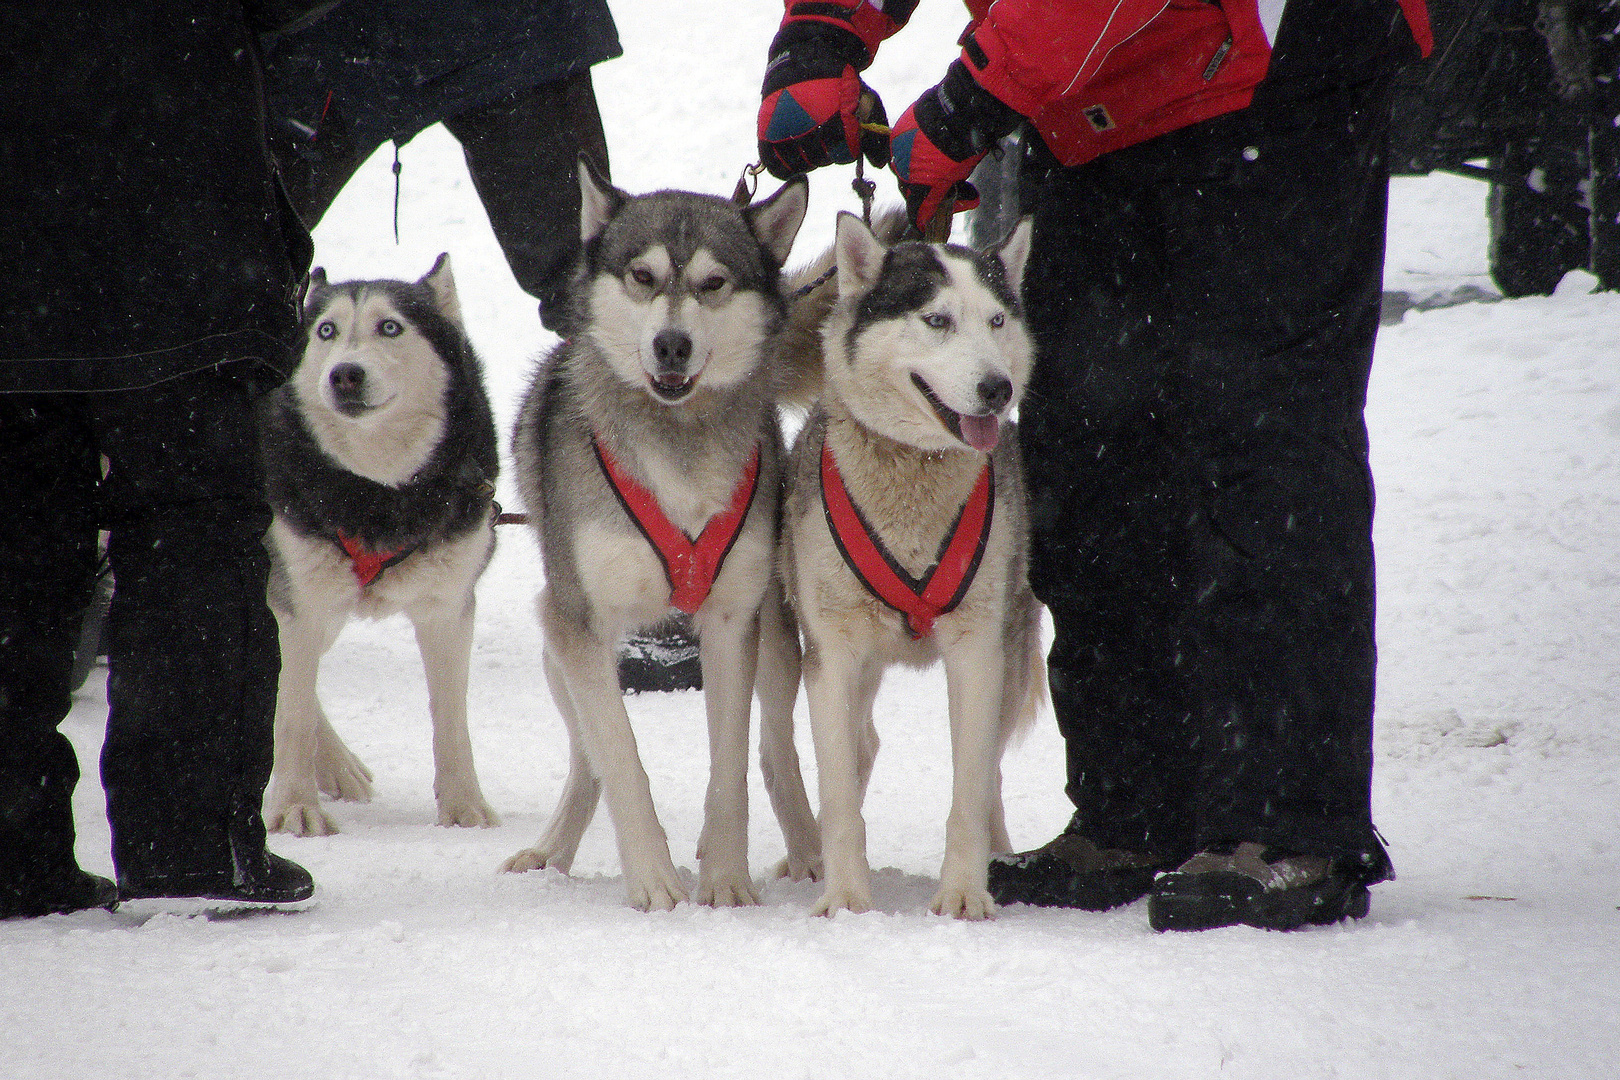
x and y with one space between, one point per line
367 564
690 567
944 584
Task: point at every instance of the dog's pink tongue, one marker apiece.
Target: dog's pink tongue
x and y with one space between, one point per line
981 432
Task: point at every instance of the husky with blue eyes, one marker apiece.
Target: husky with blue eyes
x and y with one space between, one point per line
905 536
380 457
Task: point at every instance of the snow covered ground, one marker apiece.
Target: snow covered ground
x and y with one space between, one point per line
1496 441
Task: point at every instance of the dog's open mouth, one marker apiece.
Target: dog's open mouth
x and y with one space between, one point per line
981 432
672 386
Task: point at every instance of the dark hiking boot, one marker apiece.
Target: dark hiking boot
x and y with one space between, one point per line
1253 886
73 891
275 881
663 658
1073 872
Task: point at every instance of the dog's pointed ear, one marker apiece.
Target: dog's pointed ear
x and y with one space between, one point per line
442 284
859 253
1014 253
317 282
599 200
776 221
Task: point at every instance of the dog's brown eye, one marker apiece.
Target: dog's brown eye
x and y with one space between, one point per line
327 330
643 277
390 328
936 321
713 283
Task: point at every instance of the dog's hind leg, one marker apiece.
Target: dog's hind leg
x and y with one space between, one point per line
338 772
292 801
445 638
974 674
581 791
777 685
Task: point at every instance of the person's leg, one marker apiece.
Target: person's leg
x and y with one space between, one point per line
1108 504
48 468
193 651
522 154
1277 253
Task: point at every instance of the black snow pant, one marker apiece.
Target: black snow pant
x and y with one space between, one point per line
192 645
1205 307
522 153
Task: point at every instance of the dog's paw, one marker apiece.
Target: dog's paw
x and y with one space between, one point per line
799 868
660 890
471 813
300 819
845 898
343 776
963 903
530 859
726 890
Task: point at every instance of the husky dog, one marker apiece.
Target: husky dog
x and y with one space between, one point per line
381 457
905 537
650 459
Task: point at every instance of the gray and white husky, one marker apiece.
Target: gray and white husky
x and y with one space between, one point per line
905 537
381 456
649 457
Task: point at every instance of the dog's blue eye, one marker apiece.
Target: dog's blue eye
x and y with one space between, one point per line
998 319
935 321
327 330
390 328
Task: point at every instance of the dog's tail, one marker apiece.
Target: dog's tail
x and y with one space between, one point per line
811 292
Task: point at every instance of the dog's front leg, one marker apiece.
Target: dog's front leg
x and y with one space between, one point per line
292 802
973 677
590 673
833 685
445 640
728 646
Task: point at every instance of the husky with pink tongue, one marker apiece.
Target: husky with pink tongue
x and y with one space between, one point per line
905 537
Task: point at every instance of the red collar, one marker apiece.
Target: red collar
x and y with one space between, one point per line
944 584
690 567
365 563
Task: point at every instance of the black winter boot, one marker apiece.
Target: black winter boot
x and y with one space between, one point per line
664 657
271 881
74 890
1253 886
1073 872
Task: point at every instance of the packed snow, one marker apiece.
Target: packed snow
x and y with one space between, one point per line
1496 441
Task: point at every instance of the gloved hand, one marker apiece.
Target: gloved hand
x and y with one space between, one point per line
936 143
812 106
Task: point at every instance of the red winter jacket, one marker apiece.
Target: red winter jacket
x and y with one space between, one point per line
1097 75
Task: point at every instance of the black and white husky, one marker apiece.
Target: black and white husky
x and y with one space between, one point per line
381 456
649 457
905 536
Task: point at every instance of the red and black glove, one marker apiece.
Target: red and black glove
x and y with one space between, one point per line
810 112
813 101
936 143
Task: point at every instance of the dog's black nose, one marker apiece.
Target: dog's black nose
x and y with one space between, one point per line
348 379
995 391
672 349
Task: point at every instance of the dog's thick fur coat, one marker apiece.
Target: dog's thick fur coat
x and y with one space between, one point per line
381 456
673 375
925 355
